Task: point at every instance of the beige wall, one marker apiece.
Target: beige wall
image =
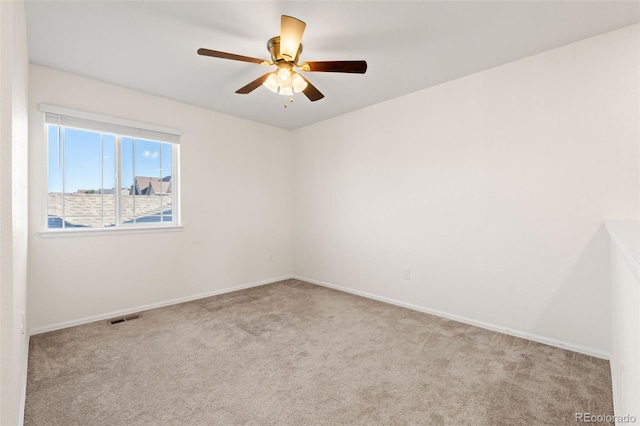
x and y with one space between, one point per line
492 189
236 210
13 209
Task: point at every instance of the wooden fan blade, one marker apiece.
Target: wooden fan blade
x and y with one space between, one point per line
291 30
357 67
253 85
232 56
311 92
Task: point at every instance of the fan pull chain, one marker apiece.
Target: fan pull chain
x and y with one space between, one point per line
290 101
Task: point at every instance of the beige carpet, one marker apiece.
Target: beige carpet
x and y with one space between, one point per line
292 353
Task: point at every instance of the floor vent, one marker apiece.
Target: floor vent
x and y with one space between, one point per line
124 318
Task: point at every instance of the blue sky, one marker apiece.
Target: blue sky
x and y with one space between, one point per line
87 168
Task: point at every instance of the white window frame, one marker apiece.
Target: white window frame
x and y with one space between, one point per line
69 118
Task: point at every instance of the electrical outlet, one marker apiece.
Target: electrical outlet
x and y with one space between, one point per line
406 273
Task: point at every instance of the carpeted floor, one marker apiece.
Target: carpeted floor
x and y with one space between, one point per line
293 353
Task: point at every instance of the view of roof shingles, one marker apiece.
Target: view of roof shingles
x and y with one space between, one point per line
86 209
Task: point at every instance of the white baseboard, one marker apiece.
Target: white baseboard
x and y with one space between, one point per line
23 385
147 307
481 324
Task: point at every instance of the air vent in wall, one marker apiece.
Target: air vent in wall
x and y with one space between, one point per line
124 318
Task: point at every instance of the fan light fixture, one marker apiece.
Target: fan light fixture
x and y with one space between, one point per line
285 81
285 52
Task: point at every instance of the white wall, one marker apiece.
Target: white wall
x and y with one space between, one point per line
492 189
236 210
625 304
13 209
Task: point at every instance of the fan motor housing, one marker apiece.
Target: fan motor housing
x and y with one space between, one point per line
273 45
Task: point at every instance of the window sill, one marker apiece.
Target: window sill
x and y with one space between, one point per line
50 233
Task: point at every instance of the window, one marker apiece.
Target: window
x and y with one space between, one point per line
109 173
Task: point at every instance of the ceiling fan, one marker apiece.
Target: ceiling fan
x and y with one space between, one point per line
285 52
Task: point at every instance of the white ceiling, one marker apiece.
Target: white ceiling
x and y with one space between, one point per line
151 45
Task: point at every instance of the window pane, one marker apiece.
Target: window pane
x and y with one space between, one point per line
81 188
143 171
82 183
54 190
